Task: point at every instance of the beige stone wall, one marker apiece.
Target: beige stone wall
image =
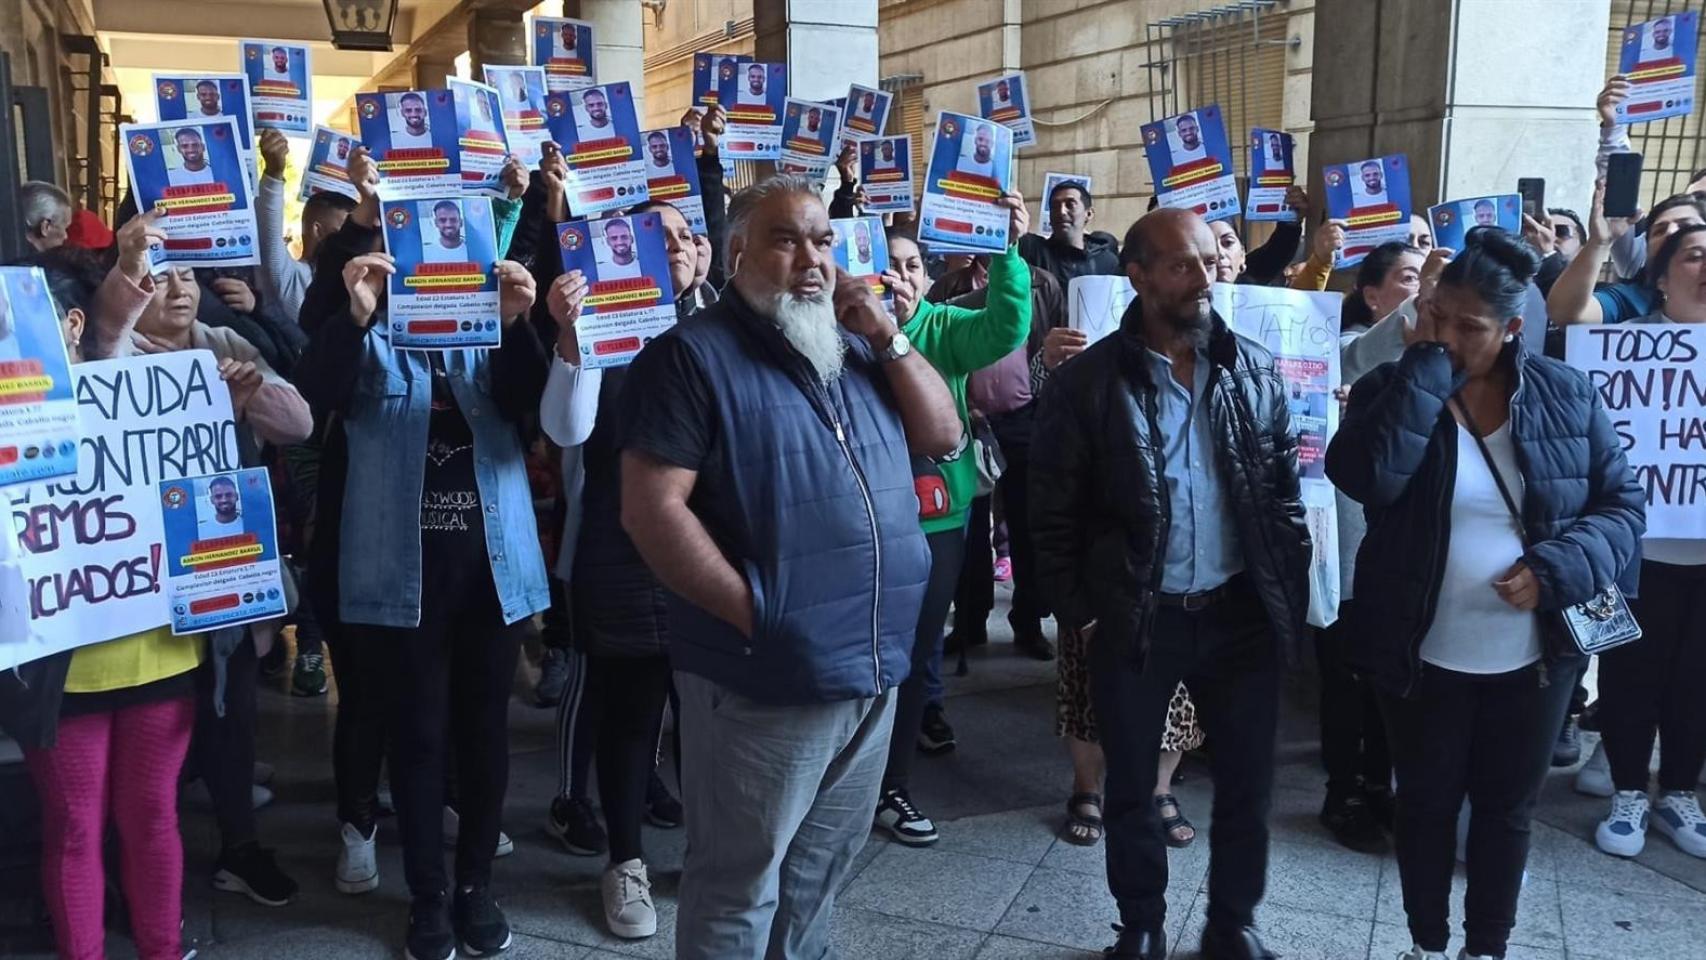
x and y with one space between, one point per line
29 33
688 27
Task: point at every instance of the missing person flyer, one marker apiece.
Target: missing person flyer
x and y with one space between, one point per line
629 300
862 250
753 95
1191 162
672 174
280 84
194 171
600 138
205 97
1452 220
1272 172
413 137
328 164
708 71
39 429
885 170
970 163
521 96
444 293
1373 198
1005 101
867 113
810 131
221 547
564 48
1050 182
480 134
1659 59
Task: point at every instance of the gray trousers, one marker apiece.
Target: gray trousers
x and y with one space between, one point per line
778 801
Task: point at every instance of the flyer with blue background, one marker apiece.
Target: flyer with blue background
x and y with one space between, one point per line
565 49
444 293
970 166
184 97
1658 58
600 138
221 547
1373 198
1005 101
707 75
480 133
521 94
194 170
38 410
281 77
328 164
629 299
1452 220
414 140
866 114
1190 160
810 134
672 174
862 250
1272 172
885 171
753 94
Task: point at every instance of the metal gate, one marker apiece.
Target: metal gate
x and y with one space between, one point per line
1673 149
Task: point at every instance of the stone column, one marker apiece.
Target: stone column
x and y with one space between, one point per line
1477 93
826 44
497 37
618 33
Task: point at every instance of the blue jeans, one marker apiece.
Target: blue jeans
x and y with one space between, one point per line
778 802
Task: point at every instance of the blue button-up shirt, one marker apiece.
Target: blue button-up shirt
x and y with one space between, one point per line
1202 541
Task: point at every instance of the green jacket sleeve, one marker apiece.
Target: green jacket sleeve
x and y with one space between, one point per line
505 215
960 340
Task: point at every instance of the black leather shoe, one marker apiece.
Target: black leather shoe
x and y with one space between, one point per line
1239 944
1138 945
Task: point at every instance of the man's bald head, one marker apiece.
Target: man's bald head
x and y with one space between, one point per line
1169 257
1147 234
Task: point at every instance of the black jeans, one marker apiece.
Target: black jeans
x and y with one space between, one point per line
1226 655
1488 739
635 690
1013 432
1653 685
1353 738
358 735
225 745
947 549
974 596
445 685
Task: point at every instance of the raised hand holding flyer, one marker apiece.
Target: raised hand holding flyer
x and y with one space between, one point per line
480 135
862 250
194 171
672 174
1373 198
1005 101
753 94
1452 220
970 163
221 546
885 170
328 164
810 131
444 293
629 299
281 78
412 136
1659 58
565 49
521 95
1191 162
1271 174
38 413
600 140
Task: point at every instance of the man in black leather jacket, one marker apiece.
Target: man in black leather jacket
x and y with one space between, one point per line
1167 518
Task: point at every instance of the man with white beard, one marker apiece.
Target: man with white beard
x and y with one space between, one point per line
766 480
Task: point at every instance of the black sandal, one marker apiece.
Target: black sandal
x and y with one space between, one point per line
1174 822
1083 829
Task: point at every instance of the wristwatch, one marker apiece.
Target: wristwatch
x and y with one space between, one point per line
899 346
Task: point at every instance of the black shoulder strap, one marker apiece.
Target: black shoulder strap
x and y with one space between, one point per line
1493 468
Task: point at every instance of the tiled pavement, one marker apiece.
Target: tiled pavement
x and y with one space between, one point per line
999 885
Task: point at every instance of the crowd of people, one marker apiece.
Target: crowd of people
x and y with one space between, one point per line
763 525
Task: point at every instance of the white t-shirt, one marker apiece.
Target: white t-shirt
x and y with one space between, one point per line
434 253
209 528
184 176
402 139
1474 630
970 165
611 270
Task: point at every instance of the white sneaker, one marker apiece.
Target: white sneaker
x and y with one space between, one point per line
453 829
1624 832
1417 953
259 796
1677 815
1466 955
628 909
358 861
1594 778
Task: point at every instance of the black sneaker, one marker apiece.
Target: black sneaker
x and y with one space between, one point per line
897 815
1567 751
480 925
553 678
250 870
430 936
662 809
1347 817
935 734
1380 805
575 823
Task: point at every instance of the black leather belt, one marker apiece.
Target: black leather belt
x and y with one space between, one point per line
1192 602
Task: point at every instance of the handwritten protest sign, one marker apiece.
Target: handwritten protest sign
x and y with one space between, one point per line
1652 379
92 547
1094 304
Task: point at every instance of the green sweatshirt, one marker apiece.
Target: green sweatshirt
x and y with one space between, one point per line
958 342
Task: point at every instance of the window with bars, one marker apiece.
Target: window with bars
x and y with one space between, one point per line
1674 148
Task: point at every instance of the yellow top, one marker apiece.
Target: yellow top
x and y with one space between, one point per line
1313 275
132 661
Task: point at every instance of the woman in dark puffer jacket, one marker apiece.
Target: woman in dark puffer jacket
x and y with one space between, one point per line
1454 596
